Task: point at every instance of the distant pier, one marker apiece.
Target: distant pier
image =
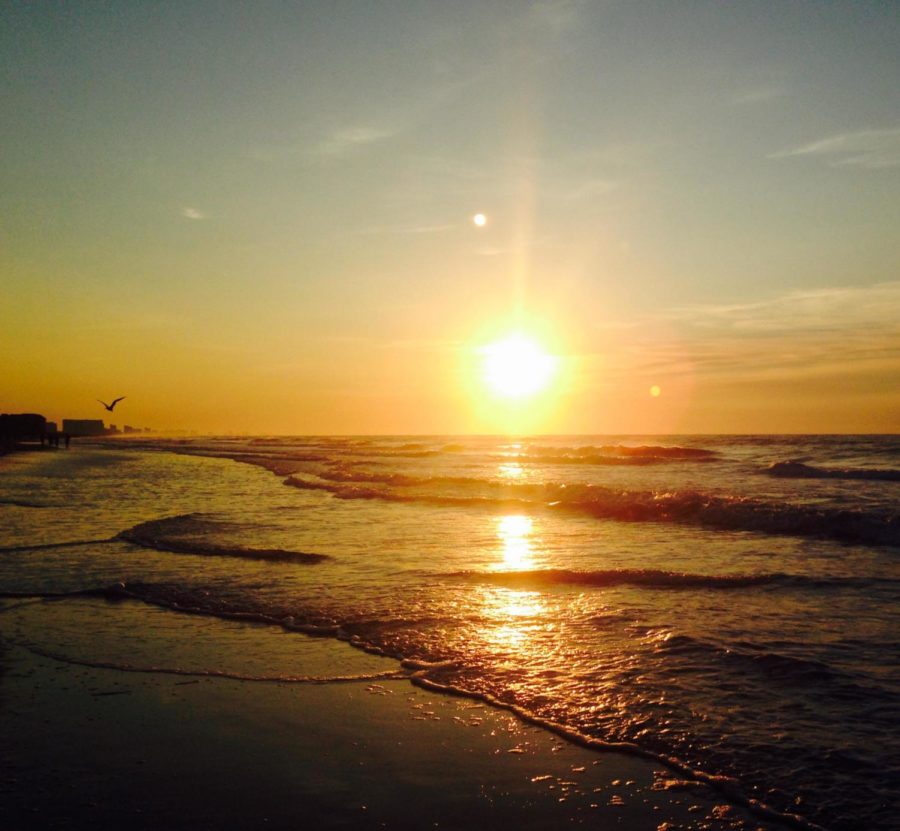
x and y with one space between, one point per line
19 431
54 438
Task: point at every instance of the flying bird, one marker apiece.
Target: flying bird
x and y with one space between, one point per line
112 406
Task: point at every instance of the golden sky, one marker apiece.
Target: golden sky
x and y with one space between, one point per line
260 218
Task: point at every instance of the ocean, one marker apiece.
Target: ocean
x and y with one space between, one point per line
726 604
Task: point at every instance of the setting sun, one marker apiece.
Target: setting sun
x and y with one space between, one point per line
517 367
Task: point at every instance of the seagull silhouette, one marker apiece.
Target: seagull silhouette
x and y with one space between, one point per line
112 406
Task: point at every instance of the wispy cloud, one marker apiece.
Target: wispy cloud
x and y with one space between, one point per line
796 334
348 139
323 145
841 307
870 149
192 213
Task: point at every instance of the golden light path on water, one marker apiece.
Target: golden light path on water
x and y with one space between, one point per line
514 531
514 612
511 470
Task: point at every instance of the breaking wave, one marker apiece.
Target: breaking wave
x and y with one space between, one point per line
729 513
776 667
613 454
178 535
795 469
24 503
343 473
649 578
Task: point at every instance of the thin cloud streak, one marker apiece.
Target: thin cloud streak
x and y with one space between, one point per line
346 140
834 307
868 149
193 213
323 143
848 331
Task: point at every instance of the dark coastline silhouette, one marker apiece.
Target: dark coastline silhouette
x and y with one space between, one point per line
17 429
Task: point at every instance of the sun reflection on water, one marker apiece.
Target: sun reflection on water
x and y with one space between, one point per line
514 532
511 470
514 616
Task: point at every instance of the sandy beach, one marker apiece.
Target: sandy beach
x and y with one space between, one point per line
91 747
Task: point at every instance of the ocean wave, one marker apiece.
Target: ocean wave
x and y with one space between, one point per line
797 469
659 579
281 464
739 514
398 453
650 578
608 452
727 513
774 666
339 490
588 454
600 460
344 473
175 535
24 503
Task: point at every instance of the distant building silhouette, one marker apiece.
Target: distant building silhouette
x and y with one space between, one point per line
22 425
84 427
19 427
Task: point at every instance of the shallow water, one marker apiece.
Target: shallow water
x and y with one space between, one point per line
675 593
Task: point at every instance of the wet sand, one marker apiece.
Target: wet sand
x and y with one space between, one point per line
100 748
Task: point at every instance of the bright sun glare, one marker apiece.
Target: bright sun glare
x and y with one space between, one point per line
517 367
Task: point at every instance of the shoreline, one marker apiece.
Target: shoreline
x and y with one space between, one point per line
427 678
96 747
410 671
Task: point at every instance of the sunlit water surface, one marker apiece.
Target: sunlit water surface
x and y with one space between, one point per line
667 591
